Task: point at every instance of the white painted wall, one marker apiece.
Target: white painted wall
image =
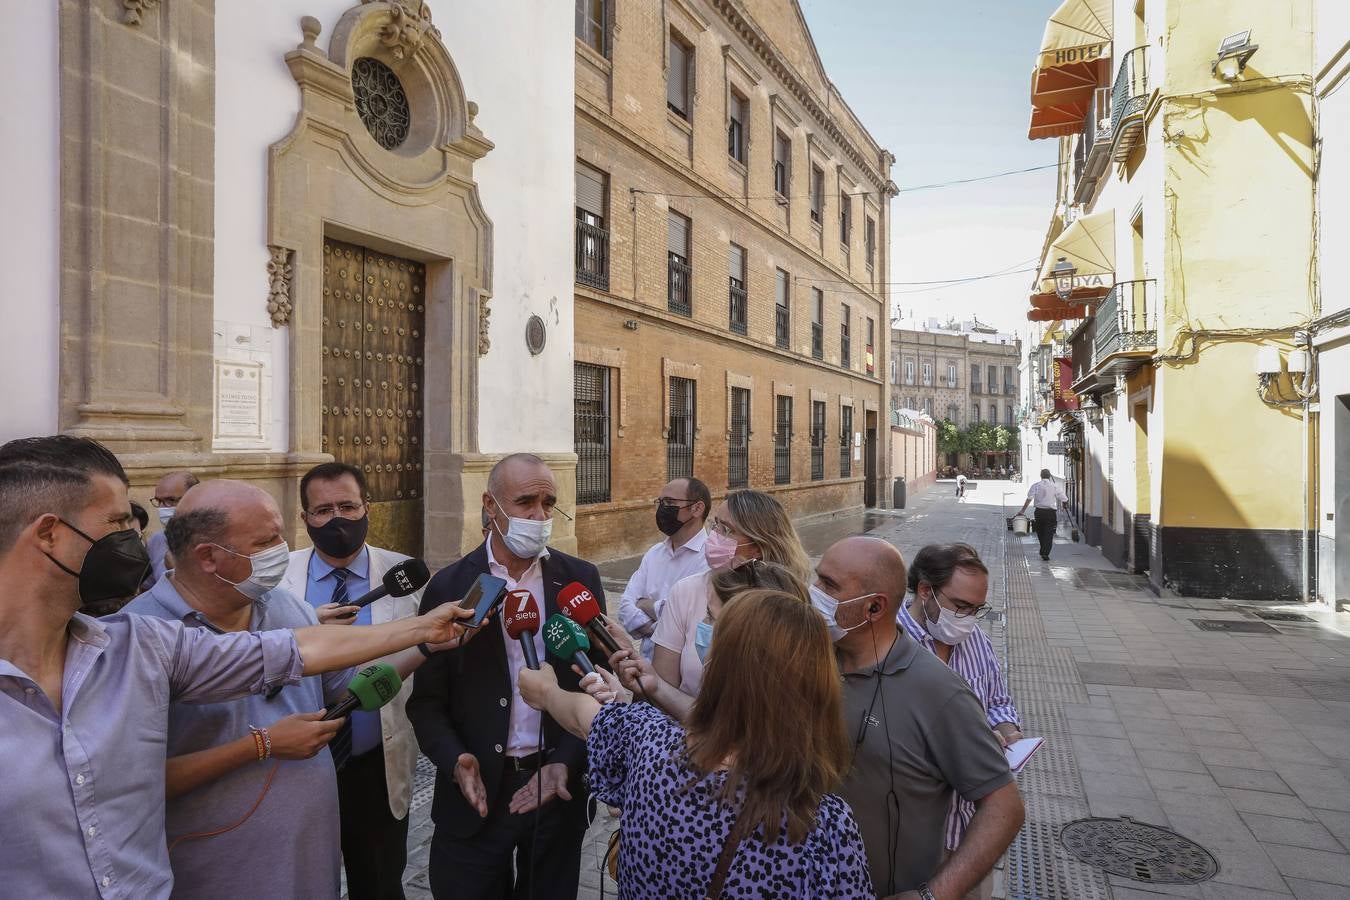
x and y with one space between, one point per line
1332 30
516 62
30 160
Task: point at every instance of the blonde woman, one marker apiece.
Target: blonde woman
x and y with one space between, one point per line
749 525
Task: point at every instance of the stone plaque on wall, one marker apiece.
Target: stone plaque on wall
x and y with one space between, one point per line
239 401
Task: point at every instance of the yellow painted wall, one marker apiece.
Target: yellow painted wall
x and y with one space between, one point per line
1237 249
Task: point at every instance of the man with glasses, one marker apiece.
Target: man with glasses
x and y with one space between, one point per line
681 511
377 751
168 492
950 586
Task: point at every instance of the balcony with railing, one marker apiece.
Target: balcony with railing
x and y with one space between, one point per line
1129 99
818 340
1127 328
1081 344
976 387
738 305
781 333
678 286
1094 145
592 255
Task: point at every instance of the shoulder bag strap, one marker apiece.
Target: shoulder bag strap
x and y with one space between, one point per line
723 864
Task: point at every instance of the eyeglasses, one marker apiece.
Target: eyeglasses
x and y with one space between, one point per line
165 502
965 610
675 502
722 528
346 509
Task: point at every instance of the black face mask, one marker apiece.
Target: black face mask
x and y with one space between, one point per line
668 519
339 537
113 569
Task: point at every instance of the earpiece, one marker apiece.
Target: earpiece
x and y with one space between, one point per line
873 608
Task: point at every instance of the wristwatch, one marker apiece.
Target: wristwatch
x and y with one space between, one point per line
925 893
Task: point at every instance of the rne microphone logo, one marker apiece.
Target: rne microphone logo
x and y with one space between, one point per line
580 599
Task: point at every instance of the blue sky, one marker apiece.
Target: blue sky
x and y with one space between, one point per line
944 86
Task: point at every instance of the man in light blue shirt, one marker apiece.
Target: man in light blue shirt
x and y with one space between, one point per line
85 702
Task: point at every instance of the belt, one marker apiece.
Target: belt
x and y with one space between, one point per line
524 763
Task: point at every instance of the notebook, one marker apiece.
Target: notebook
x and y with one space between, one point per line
1020 751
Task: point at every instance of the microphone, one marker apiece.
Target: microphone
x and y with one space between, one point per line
577 603
369 689
567 641
521 615
407 577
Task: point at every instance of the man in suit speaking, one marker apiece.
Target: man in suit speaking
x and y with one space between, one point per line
509 808
377 752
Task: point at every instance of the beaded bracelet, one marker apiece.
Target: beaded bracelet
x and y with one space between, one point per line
262 741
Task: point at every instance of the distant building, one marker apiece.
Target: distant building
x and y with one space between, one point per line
964 372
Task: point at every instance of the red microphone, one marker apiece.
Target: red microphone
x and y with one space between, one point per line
577 603
521 614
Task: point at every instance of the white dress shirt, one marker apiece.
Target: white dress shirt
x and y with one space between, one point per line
522 733
1045 494
661 567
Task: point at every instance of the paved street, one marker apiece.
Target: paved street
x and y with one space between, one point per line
1238 738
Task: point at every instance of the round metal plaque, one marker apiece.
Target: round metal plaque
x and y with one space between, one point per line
536 335
1138 851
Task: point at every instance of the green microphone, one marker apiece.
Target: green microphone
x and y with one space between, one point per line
567 641
369 689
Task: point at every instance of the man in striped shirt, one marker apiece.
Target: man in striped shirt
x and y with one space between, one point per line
949 587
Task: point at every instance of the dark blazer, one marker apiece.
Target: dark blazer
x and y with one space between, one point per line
461 698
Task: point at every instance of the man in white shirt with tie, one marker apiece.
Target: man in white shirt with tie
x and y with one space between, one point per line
1048 496
681 511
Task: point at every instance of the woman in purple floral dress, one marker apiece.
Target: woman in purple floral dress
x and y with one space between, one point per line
737 803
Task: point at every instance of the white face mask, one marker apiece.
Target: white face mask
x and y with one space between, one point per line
828 607
269 567
948 627
165 514
526 538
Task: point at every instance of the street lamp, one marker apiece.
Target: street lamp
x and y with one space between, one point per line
1234 52
1063 273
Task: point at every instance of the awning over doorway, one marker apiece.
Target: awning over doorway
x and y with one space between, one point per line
1089 245
1074 48
1064 311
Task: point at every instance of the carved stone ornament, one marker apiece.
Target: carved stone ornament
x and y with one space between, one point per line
484 342
408 26
132 10
279 268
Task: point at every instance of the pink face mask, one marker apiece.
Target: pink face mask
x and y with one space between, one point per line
720 549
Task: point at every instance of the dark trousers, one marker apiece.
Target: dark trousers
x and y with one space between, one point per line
1046 521
480 867
374 843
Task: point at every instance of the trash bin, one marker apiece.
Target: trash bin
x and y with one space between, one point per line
898 492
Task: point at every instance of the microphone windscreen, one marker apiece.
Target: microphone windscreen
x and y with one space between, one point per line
406 578
564 638
374 686
521 613
577 603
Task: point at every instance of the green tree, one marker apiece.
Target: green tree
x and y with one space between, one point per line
949 438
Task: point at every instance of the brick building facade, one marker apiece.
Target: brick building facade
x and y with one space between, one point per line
731 237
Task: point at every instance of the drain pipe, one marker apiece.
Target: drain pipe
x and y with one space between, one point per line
1306 388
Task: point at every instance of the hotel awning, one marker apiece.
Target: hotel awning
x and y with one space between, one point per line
1089 245
1076 43
1064 311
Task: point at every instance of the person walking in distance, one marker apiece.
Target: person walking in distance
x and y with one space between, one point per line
960 487
1048 496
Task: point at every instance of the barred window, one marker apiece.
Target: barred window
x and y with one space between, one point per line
782 442
591 429
817 440
845 441
680 439
738 439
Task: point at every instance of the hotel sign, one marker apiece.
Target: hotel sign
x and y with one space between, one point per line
1065 398
1068 56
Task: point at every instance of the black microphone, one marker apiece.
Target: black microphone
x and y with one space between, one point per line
403 579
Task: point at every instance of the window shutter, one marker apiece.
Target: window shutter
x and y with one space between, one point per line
677 80
590 190
677 236
737 262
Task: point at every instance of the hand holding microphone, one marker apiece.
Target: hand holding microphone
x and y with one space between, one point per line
407 577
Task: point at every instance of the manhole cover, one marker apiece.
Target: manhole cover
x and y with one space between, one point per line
1228 625
1282 616
1138 851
